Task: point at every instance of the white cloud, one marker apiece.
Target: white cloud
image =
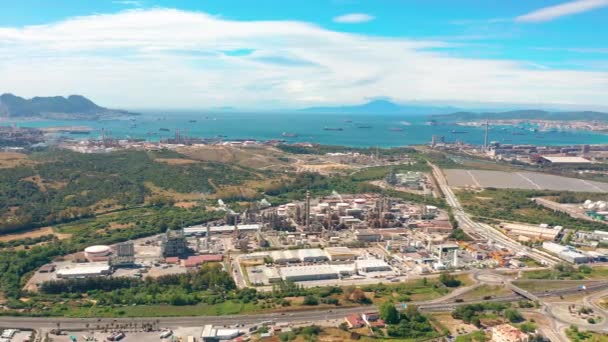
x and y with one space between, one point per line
163 58
353 18
561 10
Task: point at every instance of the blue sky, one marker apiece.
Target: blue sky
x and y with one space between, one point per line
272 53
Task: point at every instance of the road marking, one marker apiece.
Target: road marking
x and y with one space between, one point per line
592 185
528 180
474 179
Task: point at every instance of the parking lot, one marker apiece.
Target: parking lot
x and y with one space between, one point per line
520 180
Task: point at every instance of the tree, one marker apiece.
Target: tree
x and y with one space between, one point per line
310 300
358 296
389 313
449 280
513 316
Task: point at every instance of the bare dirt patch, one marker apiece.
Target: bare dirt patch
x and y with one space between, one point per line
253 157
186 204
14 159
33 234
176 161
177 196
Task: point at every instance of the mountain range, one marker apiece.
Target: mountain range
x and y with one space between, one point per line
73 107
529 114
382 107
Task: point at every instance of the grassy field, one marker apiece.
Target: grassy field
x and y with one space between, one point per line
226 308
509 205
540 286
595 273
485 290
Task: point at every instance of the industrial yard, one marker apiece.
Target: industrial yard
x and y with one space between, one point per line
520 180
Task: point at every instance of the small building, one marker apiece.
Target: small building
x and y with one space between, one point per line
340 254
354 321
308 273
172 260
197 260
508 333
48 268
368 235
211 334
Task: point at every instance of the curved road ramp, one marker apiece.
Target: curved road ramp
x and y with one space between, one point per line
520 180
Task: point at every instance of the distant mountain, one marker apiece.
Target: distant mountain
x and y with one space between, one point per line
381 107
528 114
56 107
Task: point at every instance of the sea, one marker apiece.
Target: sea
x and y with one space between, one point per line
357 130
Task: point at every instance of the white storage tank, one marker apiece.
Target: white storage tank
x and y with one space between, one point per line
97 253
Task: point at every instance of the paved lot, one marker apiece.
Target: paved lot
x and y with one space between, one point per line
520 180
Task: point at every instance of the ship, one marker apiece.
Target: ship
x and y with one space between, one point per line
458 132
395 129
364 126
333 129
191 121
289 135
164 129
79 132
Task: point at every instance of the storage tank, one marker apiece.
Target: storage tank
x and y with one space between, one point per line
97 253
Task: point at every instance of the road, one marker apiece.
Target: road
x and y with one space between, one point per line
289 317
477 229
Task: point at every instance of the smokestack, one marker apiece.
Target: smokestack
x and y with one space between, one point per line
307 211
486 143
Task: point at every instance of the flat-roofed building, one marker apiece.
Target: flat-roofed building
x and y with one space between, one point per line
285 257
308 273
536 232
372 265
368 235
95 269
312 255
557 160
340 254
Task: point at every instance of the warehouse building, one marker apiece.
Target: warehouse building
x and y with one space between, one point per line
566 253
84 270
285 256
574 257
312 255
308 273
372 265
340 254
535 232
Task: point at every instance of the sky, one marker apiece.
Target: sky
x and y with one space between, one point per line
264 54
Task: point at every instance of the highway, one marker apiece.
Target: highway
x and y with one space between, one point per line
476 229
289 317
